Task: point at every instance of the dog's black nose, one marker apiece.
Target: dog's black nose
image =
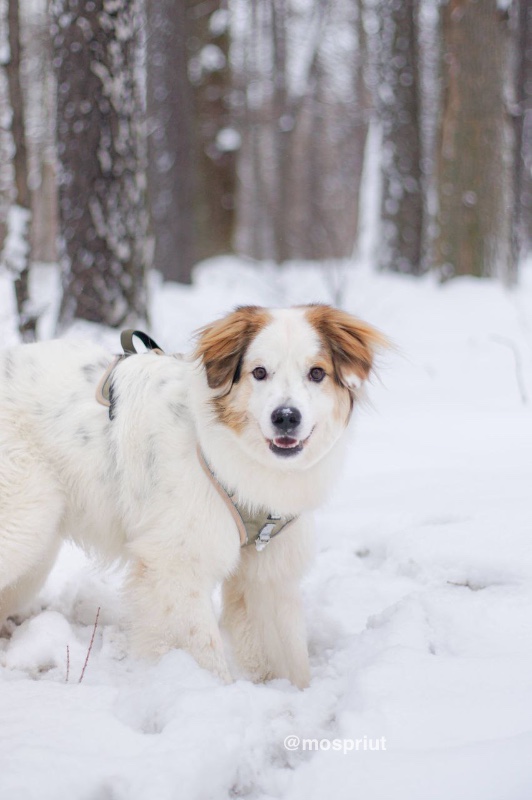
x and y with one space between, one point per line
286 419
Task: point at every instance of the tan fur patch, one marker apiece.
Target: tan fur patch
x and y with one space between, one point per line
139 570
231 409
222 345
350 342
342 396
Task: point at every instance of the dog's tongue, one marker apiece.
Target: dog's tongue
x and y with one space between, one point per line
285 441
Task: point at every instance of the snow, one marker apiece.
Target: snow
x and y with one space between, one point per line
219 21
211 58
16 247
418 604
228 139
5 53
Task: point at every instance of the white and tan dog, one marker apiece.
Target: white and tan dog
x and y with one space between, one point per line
263 401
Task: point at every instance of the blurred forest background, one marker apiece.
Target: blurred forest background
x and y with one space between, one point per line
139 134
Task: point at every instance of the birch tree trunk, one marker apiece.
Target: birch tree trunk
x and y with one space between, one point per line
102 210
475 165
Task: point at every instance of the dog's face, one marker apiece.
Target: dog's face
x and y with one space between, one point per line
284 381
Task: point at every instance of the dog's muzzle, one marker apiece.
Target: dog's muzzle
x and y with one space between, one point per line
285 420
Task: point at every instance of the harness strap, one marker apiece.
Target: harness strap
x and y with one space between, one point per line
256 529
126 340
239 522
102 390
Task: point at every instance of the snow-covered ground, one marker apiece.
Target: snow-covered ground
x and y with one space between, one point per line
419 604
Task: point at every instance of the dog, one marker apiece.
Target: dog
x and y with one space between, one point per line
202 470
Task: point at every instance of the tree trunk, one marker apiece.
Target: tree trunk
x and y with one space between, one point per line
253 210
172 173
42 125
217 141
474 169
304 121
361 119
282 125
44 217
522 225
18 255
102 211
402 196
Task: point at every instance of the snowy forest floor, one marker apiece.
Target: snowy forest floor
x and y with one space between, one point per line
418 605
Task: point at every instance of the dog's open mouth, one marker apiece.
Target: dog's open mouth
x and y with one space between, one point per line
287 445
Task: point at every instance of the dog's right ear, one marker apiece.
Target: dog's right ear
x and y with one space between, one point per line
222 344
351 343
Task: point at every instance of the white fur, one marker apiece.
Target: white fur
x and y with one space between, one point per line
132 488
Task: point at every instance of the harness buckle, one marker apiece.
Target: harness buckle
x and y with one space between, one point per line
264 536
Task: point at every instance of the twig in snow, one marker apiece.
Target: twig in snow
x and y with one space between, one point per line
68 665
90 646
518 363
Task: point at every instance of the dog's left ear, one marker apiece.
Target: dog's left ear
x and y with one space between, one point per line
222 345
351 343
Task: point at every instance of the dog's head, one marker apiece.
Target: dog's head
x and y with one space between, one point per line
285 380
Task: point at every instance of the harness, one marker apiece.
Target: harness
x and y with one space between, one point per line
258 528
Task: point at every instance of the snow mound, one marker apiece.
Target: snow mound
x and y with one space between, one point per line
418 605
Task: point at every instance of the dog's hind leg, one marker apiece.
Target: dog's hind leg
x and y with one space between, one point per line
18 594
31 506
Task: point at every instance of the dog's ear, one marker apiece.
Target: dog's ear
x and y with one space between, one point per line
222 344
352 343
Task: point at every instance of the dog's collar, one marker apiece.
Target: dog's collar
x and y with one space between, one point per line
258 528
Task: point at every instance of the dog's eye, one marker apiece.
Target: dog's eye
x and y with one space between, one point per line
316 374
259 373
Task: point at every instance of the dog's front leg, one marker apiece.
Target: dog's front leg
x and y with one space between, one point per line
263 613
170 606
